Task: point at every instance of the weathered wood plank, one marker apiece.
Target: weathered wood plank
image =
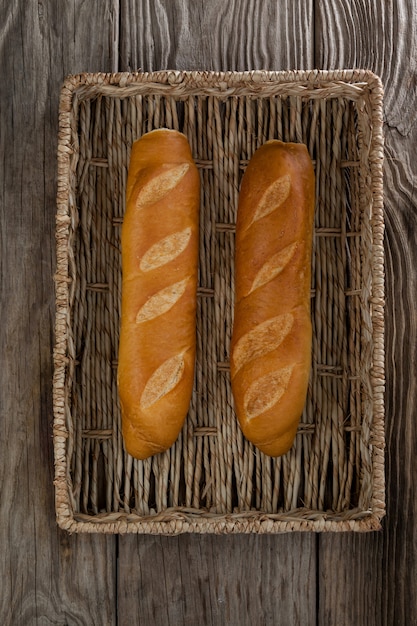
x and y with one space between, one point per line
371 579
46 576
399 571
218 580
380 36
210 579
349 580
237 35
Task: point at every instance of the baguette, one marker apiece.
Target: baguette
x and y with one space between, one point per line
159 243
272 333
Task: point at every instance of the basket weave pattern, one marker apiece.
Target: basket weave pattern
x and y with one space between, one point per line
212 479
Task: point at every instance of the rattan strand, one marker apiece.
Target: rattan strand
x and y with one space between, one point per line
212 479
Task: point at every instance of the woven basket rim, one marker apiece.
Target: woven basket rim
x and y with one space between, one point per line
304 83
224 79
252 522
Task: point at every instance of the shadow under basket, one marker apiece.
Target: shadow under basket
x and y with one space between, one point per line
212 480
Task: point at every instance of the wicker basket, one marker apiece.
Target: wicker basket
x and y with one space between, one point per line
212 480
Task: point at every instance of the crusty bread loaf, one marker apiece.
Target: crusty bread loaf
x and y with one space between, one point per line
271 341
159 290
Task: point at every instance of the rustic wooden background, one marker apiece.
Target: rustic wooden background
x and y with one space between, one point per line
48 577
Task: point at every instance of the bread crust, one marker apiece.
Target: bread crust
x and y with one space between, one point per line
159 243
272 333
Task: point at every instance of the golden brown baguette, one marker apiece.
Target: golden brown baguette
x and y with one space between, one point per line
271 340
159 289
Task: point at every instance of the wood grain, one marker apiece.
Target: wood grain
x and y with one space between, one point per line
399 573
349 583
47 577
235 35
371 579
377 36
219 581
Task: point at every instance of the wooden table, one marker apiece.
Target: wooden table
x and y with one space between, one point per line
50 577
